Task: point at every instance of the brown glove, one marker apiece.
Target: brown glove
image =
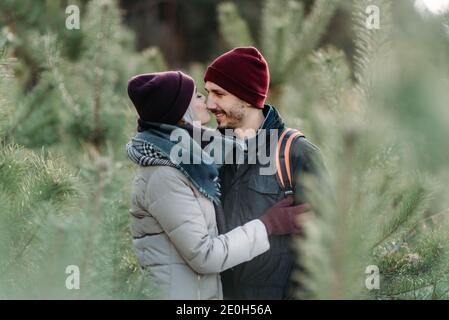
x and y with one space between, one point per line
282 217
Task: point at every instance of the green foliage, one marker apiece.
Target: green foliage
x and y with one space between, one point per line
381 128
287 36
50 220
333 73
386 196
26 21
36 190
418 90
66 204
78 100
382 137
234 29
372 48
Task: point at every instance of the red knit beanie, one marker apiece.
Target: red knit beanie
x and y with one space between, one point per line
243 72
161 97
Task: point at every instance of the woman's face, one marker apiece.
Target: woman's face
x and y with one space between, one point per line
199 107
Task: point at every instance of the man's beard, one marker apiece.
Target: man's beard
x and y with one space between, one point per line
233 118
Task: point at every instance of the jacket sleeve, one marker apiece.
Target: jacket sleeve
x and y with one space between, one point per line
171 201
307 161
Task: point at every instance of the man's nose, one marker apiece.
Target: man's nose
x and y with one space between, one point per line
210 105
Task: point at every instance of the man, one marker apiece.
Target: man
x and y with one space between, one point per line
237 84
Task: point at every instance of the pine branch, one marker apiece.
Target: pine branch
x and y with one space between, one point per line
41 90
414 228
343 217
333 75
281 23
313 28
21 251
52 61
371 46
95 217
104 34
233 28
409 207
423 221
444 293
427 285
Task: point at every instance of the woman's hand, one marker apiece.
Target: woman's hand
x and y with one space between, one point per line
284 218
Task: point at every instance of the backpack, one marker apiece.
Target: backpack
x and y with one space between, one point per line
283 168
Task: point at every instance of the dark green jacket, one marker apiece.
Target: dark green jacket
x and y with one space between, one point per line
245 196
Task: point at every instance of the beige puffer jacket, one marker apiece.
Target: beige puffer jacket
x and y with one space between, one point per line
176 238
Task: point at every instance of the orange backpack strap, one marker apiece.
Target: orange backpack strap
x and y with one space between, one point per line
283 167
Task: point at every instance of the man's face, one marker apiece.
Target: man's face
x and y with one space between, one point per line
227 108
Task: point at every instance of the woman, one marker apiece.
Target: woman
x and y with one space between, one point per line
175 206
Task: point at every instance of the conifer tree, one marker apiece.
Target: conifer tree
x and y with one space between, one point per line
287 36
389 210
69 100
381 126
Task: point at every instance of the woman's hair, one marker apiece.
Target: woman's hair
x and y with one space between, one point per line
182 123
190 115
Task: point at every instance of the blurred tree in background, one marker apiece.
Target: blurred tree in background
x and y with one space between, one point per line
383 139
188 31
71 101
376 107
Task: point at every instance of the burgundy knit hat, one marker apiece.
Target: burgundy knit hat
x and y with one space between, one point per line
161 97
243 72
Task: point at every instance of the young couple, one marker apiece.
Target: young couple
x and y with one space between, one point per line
191 222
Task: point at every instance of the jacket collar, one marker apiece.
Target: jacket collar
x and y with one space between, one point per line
272 118
272 121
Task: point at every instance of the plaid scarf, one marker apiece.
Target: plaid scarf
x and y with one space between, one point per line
152 147
145 154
